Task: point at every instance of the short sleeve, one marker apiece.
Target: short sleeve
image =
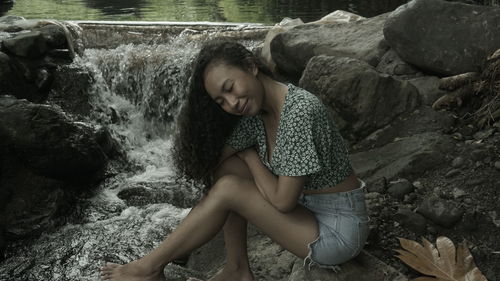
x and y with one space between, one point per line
243 135
299 156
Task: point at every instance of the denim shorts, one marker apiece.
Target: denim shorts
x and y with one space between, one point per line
343 226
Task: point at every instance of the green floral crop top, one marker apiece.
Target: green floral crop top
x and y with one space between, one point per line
307 141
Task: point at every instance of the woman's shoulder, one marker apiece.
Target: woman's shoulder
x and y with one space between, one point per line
304 102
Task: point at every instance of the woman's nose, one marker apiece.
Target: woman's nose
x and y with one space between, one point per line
233 102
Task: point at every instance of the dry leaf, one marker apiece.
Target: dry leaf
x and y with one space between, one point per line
444 262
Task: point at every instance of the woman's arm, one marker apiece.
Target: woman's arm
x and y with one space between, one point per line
281 191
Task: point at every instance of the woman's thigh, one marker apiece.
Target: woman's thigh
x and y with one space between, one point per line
293 230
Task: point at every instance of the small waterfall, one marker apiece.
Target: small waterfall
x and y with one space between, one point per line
137 93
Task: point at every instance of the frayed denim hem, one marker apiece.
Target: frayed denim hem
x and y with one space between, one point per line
312 263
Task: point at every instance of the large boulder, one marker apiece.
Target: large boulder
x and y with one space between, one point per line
410 156
444 37
48 142
363 39
364 98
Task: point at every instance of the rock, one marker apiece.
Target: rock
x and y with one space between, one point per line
410 156
457 193
378 186
398 189
457 162
428 89
479 154
363 267
43 79
6 21
497 165
452 173
484 134
442 212
54 36
430 35
31 45
48 142
392 64
360 95
363 39
411 220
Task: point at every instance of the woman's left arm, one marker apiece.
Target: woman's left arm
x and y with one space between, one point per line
281 191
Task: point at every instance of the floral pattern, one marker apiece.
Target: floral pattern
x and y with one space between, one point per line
307 141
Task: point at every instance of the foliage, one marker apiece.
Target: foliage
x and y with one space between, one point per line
444 262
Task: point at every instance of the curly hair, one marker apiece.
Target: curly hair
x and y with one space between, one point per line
203 127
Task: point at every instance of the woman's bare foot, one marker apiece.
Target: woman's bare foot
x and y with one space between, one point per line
227 274
134 271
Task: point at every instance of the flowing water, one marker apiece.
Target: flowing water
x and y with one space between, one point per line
137 93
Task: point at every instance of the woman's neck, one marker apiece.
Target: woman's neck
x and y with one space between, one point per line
274 97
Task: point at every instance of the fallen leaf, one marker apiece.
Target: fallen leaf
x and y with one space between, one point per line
443 262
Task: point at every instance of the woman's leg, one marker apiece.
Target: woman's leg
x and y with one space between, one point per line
237 267
293 230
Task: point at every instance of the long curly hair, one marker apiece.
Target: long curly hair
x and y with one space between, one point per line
202 126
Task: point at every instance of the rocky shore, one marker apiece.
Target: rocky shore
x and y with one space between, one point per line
425 146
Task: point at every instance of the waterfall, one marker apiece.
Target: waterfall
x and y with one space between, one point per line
137 92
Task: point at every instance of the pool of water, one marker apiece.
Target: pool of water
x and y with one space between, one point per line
255 11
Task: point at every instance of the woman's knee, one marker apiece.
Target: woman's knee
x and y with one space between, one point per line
227 187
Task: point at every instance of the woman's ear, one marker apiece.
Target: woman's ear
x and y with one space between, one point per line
255 70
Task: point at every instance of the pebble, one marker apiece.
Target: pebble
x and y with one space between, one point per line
457 162
418 185
457 193
442 212
400 188
497 165
457 136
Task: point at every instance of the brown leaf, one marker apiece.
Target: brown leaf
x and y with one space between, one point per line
443 261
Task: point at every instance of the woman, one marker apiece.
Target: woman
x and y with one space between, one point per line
272 156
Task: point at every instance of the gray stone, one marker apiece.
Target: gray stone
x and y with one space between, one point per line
54 36
364 267
457 162
409 156
359 94
442 212
7 20
457 193
497 165
411 220
392 64
30 45
430 34
400 188
428 88
292 49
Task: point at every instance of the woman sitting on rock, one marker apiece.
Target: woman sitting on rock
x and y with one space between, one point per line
271 156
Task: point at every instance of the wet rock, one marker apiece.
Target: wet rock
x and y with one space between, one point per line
361 96
8 20
410 156
442 212
428 88
48 142
30 45
363 39
457 162
398 189
411 220
71 90
54 36
429 34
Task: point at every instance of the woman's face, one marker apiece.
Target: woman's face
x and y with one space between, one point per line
235 90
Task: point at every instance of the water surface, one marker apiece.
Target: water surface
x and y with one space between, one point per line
255 11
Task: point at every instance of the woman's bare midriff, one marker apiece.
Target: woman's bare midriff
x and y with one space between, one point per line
350 183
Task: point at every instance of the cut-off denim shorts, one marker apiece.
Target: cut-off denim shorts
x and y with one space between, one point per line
343 226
